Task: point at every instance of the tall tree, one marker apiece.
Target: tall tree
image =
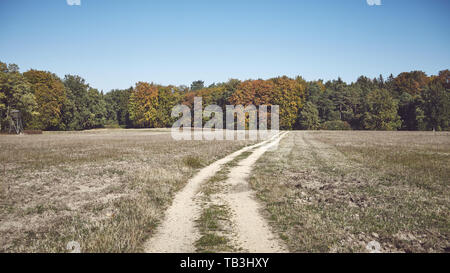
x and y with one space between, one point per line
255 92
168 97
289 94
382 111
76 110
117 106
410 82
50 96
143 105
309 117
96 109
436 97
15 93
197 85
326 106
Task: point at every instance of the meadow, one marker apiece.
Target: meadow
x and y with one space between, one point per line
317 191
331 191
105 189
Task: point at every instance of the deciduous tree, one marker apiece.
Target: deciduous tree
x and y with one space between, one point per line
50 96
143 105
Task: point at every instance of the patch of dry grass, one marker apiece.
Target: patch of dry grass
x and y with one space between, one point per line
329 191
106 189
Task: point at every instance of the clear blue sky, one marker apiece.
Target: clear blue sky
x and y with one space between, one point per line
114 44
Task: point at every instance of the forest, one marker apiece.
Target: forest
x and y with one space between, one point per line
410 101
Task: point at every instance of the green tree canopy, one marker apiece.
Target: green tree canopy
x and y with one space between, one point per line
309 117
15 93
50 96
381 111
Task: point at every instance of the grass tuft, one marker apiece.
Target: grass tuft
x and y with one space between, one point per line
192 162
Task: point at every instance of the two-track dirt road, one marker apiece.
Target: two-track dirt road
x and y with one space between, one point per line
178 233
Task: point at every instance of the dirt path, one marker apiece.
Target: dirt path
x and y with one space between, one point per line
252 230
177 233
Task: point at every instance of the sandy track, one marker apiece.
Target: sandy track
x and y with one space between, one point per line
177 233
252 231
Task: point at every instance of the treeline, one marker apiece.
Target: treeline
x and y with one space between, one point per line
48 103
410 101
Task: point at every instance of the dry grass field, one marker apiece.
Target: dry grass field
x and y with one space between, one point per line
330 191
106 189
318 191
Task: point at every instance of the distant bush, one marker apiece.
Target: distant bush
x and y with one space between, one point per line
335 125
32 132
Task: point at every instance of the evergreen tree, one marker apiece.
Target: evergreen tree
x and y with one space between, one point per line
309 117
